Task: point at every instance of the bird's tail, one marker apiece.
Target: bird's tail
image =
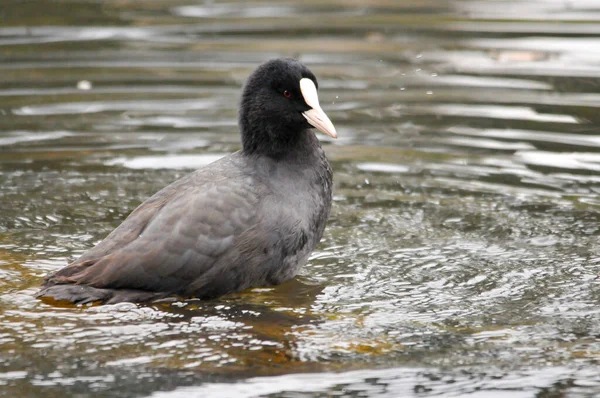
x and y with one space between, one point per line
83 294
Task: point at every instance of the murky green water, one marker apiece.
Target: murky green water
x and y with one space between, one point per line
462 256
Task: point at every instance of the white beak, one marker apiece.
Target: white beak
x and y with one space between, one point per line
315 116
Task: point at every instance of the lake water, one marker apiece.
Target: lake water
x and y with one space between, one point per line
462 257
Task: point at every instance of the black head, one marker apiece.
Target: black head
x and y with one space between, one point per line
279 103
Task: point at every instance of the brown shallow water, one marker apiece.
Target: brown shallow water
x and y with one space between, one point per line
462 255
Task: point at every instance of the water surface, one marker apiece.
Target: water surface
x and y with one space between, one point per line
462 254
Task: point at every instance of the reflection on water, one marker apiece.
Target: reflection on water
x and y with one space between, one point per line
462 254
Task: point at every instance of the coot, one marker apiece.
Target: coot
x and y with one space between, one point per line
249 219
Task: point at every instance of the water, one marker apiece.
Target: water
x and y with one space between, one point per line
462 254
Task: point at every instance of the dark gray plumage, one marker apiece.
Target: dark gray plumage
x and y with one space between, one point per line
249 219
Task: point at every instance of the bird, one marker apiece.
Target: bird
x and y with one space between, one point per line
249 219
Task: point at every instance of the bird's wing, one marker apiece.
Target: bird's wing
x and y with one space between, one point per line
175 237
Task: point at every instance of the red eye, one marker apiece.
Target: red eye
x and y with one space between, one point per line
287 94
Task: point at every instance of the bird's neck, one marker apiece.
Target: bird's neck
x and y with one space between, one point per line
292 145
